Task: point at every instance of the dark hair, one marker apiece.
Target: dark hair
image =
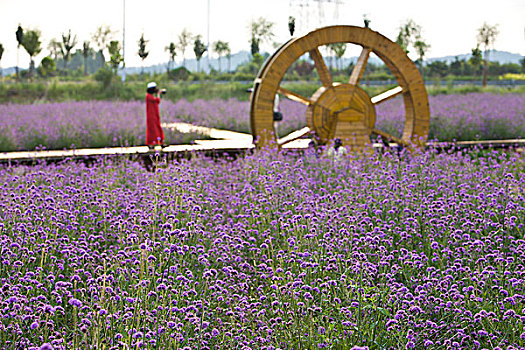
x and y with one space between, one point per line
151 90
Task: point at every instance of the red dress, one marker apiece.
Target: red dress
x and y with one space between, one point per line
154 133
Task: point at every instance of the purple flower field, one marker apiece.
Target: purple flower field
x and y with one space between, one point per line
472 116
75 125
270 251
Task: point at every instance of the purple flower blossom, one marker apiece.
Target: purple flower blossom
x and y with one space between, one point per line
138 335
75 302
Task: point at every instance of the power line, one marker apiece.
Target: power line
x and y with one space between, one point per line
306 9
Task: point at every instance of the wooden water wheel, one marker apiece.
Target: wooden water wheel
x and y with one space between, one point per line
338 110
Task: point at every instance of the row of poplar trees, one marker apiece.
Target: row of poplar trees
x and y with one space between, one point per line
261 30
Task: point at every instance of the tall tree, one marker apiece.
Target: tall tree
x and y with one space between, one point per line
86 52
185 39
421 50
199 48
68 43
338 50
142 50
487 37
115 57
19 37
409 36
221 48
172 49
366 21
261 31
31 43
475 59
291 25
54 48
1 53
229 57
101 37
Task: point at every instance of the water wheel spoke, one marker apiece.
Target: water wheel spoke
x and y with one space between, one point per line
387 136
320 66
382 97
294 96
297 134
360 66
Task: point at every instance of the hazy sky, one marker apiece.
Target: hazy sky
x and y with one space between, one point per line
449 26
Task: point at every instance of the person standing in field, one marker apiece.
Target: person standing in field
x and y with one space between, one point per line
154 132
337 151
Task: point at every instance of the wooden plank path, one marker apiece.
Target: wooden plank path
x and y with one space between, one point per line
225 141
480 143
210 132
209 145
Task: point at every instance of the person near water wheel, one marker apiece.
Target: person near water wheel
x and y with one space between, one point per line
154 132
277 115
337 151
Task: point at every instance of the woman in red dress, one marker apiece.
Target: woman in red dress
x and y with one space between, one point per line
154 133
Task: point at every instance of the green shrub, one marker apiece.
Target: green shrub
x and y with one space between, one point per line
104 75
179 74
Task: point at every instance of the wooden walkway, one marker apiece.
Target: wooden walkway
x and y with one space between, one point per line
224 141
210 132
90 152
481 143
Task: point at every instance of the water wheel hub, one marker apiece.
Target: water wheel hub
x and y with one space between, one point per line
342 111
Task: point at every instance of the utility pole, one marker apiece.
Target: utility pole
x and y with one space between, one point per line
208 34
124 41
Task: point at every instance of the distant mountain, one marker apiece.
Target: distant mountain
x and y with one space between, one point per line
245 56
502 57
191 64
7 71
237 59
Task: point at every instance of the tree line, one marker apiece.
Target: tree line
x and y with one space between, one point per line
90 57
61 50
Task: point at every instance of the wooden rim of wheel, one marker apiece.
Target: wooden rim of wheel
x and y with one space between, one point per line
328 102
